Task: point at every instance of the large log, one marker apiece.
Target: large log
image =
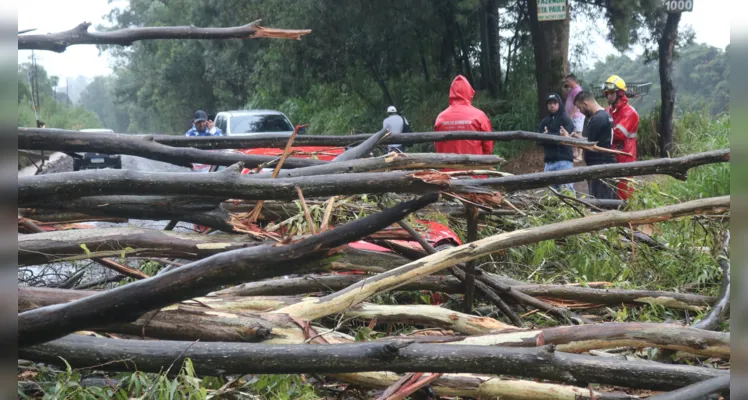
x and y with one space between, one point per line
59 42
219 358
447 284
364 148
392 279
35 190
393 161
76 141
79 244
279 140
127 303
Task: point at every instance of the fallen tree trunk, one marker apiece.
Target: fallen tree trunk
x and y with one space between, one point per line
698 391
59 42
199 278
80 244
448 284
36 190
279 140
75 141
390 280
219 358
43 218
394 161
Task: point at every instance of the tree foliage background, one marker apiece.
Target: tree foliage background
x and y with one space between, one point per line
363 56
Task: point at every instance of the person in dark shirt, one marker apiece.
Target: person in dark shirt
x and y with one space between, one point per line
599 129
557 157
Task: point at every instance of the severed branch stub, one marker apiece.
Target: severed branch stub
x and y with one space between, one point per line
60 41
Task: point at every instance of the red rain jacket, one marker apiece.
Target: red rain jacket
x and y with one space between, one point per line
625 127
462 116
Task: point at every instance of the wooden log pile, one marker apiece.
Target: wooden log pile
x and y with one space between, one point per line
263 294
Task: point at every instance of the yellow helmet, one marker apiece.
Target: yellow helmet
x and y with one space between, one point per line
614 83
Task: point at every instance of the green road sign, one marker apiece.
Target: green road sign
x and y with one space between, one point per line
551 10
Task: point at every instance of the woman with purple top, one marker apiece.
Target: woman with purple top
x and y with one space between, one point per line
572 89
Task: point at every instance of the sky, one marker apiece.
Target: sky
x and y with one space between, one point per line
711 26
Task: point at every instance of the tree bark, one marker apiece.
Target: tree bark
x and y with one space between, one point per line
383 282
667 87
550 42
34 191
221 358
56 246
107 143
59 42
129 302
490 46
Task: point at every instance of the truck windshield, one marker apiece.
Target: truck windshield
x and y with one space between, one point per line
260 123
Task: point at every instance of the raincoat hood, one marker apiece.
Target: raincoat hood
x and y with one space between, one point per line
461 92
561 110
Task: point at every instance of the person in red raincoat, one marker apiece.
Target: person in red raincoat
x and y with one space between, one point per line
462 116
625 126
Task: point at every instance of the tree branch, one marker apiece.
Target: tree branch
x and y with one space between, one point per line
60 41
354 294
127 303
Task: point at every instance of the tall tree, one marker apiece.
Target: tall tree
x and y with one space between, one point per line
490 46
550 41
666 47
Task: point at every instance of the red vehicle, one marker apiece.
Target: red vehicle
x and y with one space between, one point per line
235 123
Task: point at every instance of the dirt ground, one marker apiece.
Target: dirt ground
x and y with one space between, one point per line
531 161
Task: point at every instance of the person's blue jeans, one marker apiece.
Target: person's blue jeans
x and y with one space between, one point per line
560 166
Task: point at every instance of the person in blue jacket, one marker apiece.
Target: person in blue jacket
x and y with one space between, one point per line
200 126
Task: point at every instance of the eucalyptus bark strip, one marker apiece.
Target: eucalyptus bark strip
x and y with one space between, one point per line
354 294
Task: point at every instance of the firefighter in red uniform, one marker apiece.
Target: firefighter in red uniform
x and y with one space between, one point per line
625 126
462 116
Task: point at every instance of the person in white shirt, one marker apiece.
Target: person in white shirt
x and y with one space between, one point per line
395 123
